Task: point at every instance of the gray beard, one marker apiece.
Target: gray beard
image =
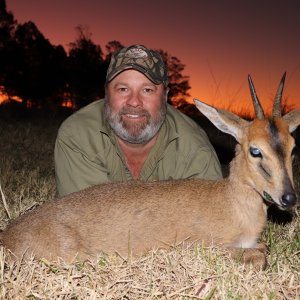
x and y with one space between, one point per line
137 133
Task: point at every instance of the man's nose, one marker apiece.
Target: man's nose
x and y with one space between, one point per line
134 99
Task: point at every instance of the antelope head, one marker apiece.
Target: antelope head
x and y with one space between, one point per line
265 145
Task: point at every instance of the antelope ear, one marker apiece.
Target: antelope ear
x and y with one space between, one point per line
223 120
292 119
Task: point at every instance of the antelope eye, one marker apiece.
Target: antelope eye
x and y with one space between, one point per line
255 152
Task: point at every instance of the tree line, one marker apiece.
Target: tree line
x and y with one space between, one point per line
45 75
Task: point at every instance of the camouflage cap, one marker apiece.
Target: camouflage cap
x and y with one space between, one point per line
139 58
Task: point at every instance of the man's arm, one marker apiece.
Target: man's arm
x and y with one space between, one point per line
203 164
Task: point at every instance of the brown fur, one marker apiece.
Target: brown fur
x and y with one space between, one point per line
135 217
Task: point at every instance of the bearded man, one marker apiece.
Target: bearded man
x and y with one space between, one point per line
132 134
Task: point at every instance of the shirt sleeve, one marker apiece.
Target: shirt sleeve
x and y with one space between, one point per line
189 154
203 164
74 170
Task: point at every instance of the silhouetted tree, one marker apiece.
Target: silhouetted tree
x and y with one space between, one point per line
178 83
7 26
112 46
35 68
42 74
86 75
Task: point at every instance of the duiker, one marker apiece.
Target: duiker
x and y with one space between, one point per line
134 217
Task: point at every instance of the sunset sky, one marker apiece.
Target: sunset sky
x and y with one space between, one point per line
220 42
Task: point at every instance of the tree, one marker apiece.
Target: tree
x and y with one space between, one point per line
178 83
7 26
86 75
34 72
111 47
42 74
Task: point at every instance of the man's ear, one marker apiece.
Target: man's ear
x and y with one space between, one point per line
166 93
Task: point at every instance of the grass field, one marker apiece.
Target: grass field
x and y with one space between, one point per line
27 180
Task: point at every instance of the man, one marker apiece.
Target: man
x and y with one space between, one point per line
133 133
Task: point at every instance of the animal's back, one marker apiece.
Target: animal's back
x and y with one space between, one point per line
115 217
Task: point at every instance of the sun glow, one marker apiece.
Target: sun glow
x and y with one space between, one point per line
4 97
67 103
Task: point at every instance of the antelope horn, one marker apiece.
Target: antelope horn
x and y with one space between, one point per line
257 106
277 101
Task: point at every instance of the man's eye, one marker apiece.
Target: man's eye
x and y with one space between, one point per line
122 89
148 90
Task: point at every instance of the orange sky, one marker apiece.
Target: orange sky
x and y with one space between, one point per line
220 42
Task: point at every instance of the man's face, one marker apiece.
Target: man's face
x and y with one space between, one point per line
135 107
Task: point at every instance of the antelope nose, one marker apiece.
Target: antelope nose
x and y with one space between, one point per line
289 199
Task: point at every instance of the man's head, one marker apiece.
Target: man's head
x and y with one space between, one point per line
136 94
141 59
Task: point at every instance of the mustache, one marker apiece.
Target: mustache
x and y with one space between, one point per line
134 111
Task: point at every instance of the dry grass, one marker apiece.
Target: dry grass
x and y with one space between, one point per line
27 180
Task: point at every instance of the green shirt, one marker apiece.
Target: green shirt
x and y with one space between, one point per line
87 152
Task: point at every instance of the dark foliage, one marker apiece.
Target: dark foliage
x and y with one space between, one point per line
45 76
178 83
85 70
35 71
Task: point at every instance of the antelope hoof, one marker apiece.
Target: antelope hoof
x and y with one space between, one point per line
253 256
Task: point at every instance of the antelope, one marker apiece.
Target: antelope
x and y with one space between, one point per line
130 218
